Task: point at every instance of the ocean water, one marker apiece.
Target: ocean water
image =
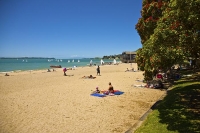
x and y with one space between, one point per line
7 65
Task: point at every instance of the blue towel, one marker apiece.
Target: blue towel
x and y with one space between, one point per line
98 95
118 93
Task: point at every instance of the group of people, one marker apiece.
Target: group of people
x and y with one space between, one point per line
131 70
48 70
108 92
65 70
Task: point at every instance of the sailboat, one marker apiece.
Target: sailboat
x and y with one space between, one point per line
114 61
72 60
78 60
68 60
102 62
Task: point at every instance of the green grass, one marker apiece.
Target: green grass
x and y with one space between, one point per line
178 112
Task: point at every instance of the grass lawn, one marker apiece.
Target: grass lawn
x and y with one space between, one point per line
179 111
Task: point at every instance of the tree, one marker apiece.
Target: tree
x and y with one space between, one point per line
151 13
175 37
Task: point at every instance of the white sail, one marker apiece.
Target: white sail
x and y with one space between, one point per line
78 60
68 60
114 61
102 62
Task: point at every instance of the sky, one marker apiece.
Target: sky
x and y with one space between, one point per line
68 28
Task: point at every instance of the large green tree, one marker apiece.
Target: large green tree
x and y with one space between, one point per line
151 12
174 37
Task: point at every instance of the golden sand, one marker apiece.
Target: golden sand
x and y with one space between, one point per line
48 102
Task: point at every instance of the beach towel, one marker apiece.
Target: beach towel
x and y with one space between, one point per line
116 92
98 95
142 85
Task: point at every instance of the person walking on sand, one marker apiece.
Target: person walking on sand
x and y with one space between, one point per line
64 70
98 70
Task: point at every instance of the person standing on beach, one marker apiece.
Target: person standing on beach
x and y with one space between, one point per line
98 70
64 70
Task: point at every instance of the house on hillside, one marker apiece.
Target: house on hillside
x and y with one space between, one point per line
128 56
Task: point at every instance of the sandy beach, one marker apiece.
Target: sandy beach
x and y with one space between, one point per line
48 102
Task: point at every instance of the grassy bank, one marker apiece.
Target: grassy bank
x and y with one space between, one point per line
179 111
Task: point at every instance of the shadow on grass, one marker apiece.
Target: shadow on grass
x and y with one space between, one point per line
180 109
194 78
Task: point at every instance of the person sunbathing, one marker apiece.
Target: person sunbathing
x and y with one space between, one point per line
127 70
142 85
90 77
132 70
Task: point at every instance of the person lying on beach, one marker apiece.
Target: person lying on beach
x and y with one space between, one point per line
110 89
132 70
139 80
89 77
142 85
127 70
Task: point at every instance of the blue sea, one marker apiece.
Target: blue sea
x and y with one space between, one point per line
7 65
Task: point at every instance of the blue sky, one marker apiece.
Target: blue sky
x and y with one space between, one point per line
68 28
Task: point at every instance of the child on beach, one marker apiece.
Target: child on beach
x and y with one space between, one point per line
97 90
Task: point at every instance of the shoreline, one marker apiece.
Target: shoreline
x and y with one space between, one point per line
12 65
36 70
